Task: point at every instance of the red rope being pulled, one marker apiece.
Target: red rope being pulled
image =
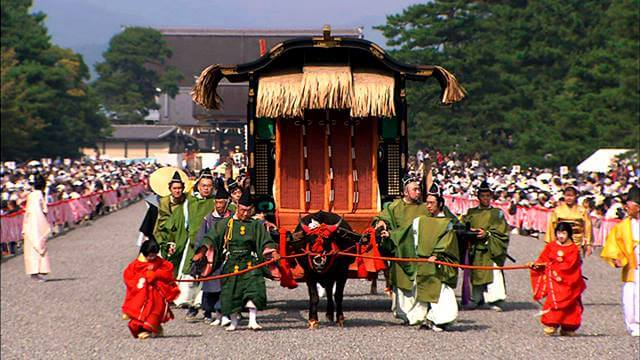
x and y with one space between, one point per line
343 253
244 271
461 266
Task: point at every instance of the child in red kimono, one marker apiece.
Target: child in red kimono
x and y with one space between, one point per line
557 275
150 288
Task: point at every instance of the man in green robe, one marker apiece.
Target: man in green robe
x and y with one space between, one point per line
399 214
425 295
182 228
437 208
489 249
435 204
240 242
166 206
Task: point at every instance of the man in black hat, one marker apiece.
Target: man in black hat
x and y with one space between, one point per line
397 215
437 208
401 212
211 289
435 203
235 191
423 294
488 249
183 227
166 206
240 242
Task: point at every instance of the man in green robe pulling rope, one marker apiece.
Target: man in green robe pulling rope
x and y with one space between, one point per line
424 292
399 214
240 242
181 229
166 206
488 249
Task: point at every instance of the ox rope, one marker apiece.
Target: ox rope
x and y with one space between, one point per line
318 261
385 258
354 170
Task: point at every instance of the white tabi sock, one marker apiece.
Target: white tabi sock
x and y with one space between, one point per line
252 313
252 316
217 318
234 322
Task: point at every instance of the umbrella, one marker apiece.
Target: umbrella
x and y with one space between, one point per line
159 179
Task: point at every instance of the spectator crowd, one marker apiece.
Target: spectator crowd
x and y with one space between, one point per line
67 179
461 175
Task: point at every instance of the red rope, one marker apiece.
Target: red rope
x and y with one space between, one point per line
343 253
240 272
420 260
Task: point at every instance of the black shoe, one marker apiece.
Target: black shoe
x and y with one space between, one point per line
470 306
191 315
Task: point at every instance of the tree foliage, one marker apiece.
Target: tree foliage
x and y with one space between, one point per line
548 81
47 108
134 73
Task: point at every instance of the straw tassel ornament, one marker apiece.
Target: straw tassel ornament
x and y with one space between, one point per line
204 91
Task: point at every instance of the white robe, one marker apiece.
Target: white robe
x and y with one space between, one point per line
495 291
630 290
35 232
405 306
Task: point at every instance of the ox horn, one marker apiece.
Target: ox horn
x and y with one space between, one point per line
335 226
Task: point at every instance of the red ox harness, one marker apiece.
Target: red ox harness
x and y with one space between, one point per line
317 257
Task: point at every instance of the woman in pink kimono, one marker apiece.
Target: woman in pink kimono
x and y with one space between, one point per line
35 231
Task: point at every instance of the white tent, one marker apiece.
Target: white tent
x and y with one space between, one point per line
600 160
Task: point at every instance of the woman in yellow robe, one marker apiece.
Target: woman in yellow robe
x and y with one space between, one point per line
621 250
574 214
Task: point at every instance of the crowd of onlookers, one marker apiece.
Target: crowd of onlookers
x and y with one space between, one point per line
67 179
460 175
457 174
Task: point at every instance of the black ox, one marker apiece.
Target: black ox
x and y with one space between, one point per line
323 234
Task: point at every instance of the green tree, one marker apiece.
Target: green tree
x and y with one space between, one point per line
133 71
548 82
47 108
16 126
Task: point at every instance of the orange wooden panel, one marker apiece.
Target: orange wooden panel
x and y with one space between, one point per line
365 163
341 139
290 169
318 172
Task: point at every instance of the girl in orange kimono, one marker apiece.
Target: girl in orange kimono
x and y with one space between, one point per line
557 275
150 288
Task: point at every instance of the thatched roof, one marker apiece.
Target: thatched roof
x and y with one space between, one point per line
325 87
369 92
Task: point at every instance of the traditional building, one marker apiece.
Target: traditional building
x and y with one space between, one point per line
165 143
193 50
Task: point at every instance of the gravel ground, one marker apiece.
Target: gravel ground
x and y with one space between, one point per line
77 314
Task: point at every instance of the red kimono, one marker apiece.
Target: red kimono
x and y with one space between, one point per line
561 282
150 288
